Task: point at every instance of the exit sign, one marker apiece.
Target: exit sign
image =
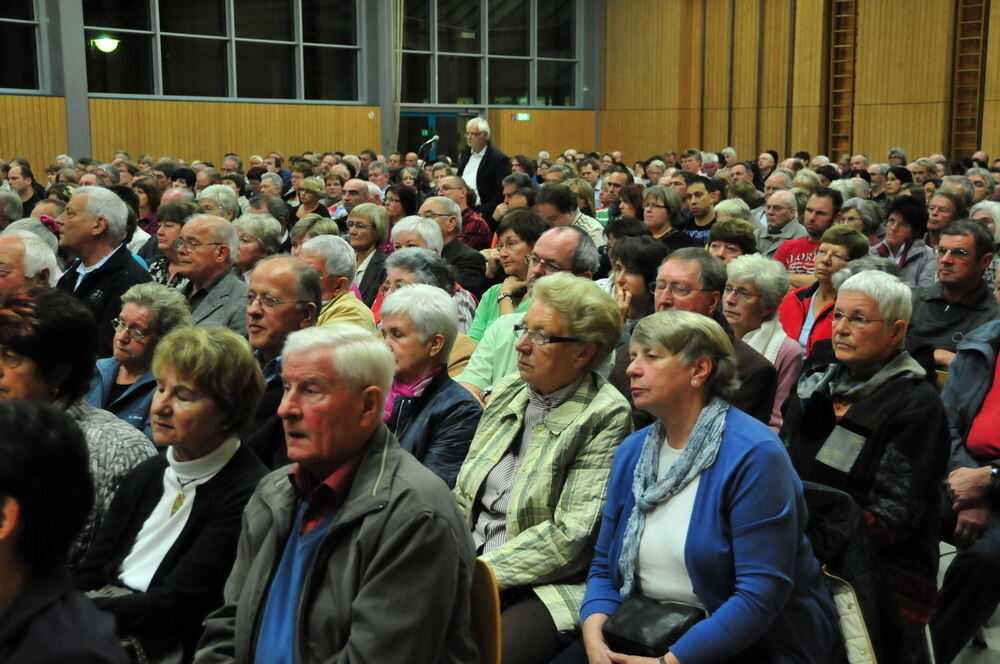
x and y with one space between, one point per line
520 117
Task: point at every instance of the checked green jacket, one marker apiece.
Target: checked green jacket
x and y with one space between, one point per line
555 507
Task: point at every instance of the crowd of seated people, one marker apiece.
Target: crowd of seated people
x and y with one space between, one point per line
314 391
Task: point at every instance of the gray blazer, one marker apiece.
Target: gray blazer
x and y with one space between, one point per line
224 305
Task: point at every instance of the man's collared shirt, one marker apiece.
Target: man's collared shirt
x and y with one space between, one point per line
82 271
323 497
472 169
196 297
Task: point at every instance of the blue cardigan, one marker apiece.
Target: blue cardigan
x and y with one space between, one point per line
132 405
746 552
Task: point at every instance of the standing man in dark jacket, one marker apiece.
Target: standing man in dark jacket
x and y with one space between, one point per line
92 229
483 166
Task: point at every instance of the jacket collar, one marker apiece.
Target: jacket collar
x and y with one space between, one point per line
561 417
43 587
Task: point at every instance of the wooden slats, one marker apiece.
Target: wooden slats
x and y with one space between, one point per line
969 70
553 131
842 54
32 127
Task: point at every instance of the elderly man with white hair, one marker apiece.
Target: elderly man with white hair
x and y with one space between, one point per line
482 165
329 541
335 261
91 230
781 212
25 261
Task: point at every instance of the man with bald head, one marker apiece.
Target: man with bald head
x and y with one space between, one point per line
206 250
782 212
475 231
356 192
777 181
469 264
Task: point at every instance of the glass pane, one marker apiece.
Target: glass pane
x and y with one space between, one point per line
320 25
197 17
17 53
124 66
264 20
416 87
115 14
458 26
509 82
331 73
184 55
508 21
458 80
416 22
21 9
556 29
265 71
556 83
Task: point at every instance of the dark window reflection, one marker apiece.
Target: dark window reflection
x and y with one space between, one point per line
264 20
21 9
17 53
416 25
330 73
458 26
326 24
509 82
265 71
556 29
113 14
126 69
197 17
508 21
194 67
416 88
556 83
458 80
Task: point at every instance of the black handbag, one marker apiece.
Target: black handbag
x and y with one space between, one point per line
646 627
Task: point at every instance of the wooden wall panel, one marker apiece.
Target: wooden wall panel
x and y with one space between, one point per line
33 127
919 128
554 131
809 78
775 74
207 130
991 90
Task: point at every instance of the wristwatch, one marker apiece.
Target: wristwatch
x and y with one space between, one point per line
503 296
995 478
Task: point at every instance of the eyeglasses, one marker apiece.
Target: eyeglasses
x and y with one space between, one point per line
191 244
739 293
856 321
134 332
268 303
823 253
508 245
958 254
10 359
432 215
676 290
359 225
547 265
540 338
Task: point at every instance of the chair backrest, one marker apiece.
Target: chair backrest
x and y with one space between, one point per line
486 612
942 379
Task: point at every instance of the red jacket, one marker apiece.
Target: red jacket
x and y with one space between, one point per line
792 314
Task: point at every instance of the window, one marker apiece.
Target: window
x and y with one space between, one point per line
19 46
280 49
492 52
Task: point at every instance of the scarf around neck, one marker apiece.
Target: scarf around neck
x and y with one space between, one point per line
767 338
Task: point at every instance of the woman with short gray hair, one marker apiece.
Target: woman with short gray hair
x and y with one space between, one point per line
123 384
219 200
433 417
862 215
420 266
755 287
260 237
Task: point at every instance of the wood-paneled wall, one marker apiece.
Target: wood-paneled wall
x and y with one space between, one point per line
207 130
991 92
554 131
34 128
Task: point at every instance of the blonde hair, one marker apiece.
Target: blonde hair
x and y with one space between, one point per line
591 314
374 214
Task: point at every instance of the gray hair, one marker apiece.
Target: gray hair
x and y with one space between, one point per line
768 276
893 298
425 228
586 257
861 186
307 287
338 256
374 191
734 207
709 158
221 194
591 314
439 165
451 208
223 232
788 198
359 358
274 179
184 193
430 310
729 152
111 171
36 228
265 229
481 124
37 255
169 306
878 263
656 162
65 161
11 207
968 189
379 166
867 210
426 267
991 182
690 336
897 152
845 188
105 203
862 155
992 208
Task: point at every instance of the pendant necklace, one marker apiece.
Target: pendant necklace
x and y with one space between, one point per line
179 499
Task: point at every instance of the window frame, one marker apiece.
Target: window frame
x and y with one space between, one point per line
43 73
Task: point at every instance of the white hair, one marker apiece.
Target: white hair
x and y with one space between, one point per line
374 191
65 160
451 208
481 123
221 194
430 310
360 359
274 178
105 203
263 227
338 256
37 228
425 228
111 171
709 158
223 232
768 276
894 299
37 255
729 152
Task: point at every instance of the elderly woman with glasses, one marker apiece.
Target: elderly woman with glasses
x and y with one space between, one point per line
162 555
755 287
805 313
433 417
219 200
260 237
871 425
48 346
123 384
533 483
367 227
